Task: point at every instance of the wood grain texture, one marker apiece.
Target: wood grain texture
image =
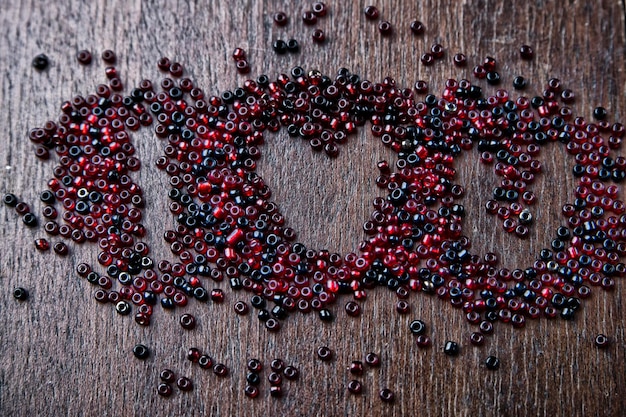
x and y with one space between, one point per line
63 354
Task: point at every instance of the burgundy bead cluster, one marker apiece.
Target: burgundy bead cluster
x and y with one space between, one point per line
309 17
168 377
206 362
357 369
385 27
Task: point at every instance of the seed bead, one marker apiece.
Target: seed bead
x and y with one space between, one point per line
601 341
20 294
84 57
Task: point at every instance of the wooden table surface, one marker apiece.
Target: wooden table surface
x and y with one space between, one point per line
61 353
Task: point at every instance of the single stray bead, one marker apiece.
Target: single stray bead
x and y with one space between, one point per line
451 348
356 367
193 354
42 244
371 12
84 57
291 372
385 28
20 294
386 395
280 19
460 60
242 66
602 341
40 62
164 390
205 362
217 295
492 363
251 391
276 391
325 315
599 113
526 52
241 308
108 56
30 220
220 369
519 83
255 365
324 353
167 375
279 46
417 327
10 200
141 351
184 384
355 387
427 59
417 27
309 18
319 9
293 46
277 365
60 248
372 359
188 321
318 36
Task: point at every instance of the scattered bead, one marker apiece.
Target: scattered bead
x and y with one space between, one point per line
386 395
293 46
42 245
188 321
320 9
164 390
417 27
355 387
372 359
205 362
241 308
276 391
371 12
220 369
10 200
417 327
40 62
318 36
451 348
602 341
356 367
291 373
599 113
84 57
60 249
324 353
385 28
526 52
108 56
193 354
167 376
460 60
280 19
492 363
251 391
254 365
279 46
20 294
309 18
184 384
141 351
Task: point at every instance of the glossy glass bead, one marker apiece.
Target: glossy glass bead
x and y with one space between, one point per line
291 373
526 52
220 369
385 28
279 46
241 308
417 27
372 359
10 200
423 341
324 353
320 9
353 309
141 351
254 365
184 384
325 315
355 387
386 395
403 307
451 348
60 249
276 391
40 62
602 341
108 56
318 36
42 245
274 378
164 390
492 363
84 57
251 391
356 367
20 294
193 354
460 60
293 46
280 19
29 220
600 113
309 18
217 295
417 327
123 308
272 325
187 321
167 375
371 12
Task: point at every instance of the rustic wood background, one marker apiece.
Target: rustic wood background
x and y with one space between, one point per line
61 353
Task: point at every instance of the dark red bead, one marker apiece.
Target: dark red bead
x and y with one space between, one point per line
417 27
60 248
291 372
184 384
318 36
108 56
188 321
42 245
220 369
355 387
427 59
602 341
280 19
324 353
460 60
254 365
371 12
205 361
372 359
385 28
320 9
386 395
193 354
241 308
309 18
84 57
356 367
526 52
164 390
251 391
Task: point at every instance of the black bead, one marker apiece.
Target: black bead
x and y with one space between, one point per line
451 348
293 46
257 301
200 294
280 46
599 113
10 200
417 327
40 62
492 363
493 78
253 378
279 312
567 313
47 197
264 315
20 293
122 308
141 351
325 315
29 220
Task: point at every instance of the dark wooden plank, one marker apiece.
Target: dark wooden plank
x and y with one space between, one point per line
62 354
